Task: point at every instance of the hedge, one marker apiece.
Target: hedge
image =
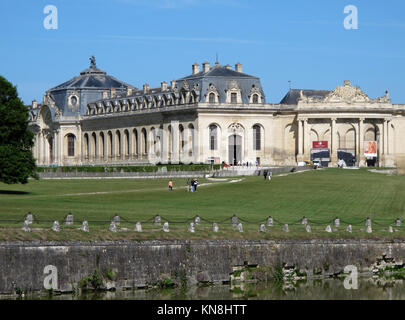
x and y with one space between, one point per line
169 167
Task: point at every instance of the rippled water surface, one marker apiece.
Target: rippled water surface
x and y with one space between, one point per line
325 289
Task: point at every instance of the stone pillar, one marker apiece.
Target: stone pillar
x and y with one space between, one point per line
60 149
164 144
112 157
380 145
386 151
90 149
176 147
307 146
300 141
55 147
362 158
39 148
131 154
334 144
45 148
105 146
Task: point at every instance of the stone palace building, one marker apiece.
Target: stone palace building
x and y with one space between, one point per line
217 114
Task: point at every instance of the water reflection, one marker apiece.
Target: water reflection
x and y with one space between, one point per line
321 289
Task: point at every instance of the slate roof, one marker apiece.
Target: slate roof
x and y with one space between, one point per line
292 97
92 78
218 70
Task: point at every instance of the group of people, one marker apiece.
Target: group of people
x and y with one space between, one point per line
267 174
192 185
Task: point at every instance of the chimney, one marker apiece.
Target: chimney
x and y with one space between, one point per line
34 104
228 67
196 68
113 93
238 67
145 88
129 91
173 84
206 67
163 86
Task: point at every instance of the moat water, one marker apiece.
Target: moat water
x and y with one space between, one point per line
324 289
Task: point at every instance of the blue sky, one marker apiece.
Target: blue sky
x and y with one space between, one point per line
140 41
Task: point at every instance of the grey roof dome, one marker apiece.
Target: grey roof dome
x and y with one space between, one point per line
292 97
218 70
92 78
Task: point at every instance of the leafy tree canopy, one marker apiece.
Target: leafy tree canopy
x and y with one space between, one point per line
17 163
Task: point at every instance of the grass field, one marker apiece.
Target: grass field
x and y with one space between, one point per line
319 195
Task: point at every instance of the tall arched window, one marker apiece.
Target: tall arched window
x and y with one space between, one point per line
213 137
144 142
211 98
181 136
257 138
86 145
71 145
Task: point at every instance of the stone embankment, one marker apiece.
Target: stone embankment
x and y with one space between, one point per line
69 266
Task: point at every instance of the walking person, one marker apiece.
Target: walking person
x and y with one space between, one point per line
195 185
192 185
265 174
171 185
188 184
270 175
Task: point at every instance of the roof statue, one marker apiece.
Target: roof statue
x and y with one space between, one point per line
93 62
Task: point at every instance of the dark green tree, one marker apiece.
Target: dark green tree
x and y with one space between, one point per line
17 163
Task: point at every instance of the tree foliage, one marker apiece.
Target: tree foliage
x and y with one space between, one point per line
17 163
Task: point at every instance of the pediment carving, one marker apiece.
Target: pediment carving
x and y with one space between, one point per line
345 94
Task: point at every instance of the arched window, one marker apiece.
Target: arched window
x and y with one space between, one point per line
182 141
257 138
213 137
255 98
211 98
71 145
86 145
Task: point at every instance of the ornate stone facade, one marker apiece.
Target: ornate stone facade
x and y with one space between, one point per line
216 115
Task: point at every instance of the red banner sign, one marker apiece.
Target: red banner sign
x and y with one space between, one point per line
320 145
370 148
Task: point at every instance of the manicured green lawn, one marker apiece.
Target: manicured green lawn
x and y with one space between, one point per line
320 195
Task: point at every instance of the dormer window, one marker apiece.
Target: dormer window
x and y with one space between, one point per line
255 98
212 97
234 98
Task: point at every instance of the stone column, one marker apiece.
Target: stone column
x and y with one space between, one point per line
54 147
334 144
380 145
111 157
60 148
300 141
185 151
90 148
362 158
131 153
105 147
45 148
176 147
386 150
306 147
164 144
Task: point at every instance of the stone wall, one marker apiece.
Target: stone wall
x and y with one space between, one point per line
227 172
140 264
